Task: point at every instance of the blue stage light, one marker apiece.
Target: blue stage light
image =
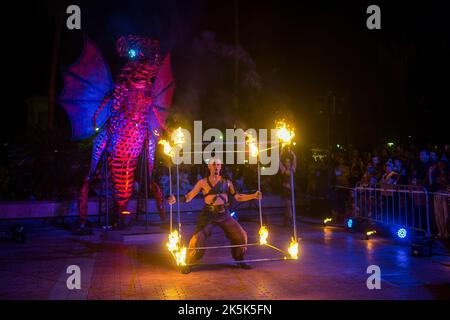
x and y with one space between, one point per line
401 233
132 53
349 223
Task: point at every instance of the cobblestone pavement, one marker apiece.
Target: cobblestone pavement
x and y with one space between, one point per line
332 265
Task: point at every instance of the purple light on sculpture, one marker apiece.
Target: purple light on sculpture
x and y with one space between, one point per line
124 113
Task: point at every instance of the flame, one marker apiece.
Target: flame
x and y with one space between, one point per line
293 249
253 148
180 256
174 247
327 220
263 235
174 240
178 138
284 132
167 147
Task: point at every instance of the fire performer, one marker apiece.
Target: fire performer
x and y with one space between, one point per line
288 166
216 190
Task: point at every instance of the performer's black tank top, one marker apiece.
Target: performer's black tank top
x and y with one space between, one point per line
220 188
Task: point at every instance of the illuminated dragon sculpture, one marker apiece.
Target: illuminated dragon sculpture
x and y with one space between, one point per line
127 115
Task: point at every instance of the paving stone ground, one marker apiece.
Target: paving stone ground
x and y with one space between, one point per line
332 265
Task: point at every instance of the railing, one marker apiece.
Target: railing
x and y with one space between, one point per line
401 205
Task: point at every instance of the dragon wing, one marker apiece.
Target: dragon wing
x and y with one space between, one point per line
162 95
86 82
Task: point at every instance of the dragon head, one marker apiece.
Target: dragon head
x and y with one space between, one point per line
144 58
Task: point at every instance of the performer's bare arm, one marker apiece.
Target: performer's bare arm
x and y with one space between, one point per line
243 197
200 185
197 188
294 161
284 169
191 194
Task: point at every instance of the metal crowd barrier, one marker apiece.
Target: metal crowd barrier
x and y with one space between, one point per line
400 205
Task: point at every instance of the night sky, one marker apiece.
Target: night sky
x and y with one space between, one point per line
389 84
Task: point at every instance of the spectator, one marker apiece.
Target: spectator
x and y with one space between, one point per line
402 173
421 168
356 170
342 173
440 184
340 194
377 167
390 177
370 176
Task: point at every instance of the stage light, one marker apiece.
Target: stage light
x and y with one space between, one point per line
350 223
326 221
126 213
338 146
132 53
369 233
390 144
97 128
401 233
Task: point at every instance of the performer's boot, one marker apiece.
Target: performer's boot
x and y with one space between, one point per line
186 269
240 264
244 265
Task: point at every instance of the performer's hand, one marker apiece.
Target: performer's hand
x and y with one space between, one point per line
258 195
171 199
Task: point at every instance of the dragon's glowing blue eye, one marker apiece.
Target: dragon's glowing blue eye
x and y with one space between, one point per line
132 53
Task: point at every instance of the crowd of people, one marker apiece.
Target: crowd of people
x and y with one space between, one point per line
425 168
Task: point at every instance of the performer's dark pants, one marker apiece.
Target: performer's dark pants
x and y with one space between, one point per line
210 217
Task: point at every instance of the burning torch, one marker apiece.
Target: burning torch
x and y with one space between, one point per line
285 134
